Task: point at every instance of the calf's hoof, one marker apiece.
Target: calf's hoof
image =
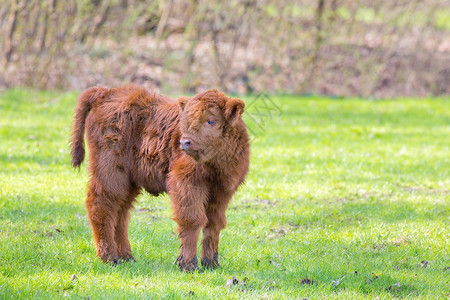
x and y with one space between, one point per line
211 263
114 260
187 266
127 257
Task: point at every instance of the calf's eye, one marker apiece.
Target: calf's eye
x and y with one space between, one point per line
211 122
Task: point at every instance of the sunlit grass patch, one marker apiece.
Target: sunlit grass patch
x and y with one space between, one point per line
346 198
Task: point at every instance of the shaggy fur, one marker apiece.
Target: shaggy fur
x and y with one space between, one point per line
195 149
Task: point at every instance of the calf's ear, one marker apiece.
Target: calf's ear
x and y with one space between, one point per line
181 101
233 110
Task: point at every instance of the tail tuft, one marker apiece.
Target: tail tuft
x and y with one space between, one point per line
84 105
77 156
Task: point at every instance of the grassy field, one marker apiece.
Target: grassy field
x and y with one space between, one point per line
346 198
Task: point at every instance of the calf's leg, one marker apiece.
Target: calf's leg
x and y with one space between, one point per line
189 213
187 260
102 213
121 229
107 204
190 221
215 213
189 194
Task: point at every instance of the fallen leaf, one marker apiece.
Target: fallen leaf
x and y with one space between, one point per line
307 281
274 263
337 281
233 281
395 285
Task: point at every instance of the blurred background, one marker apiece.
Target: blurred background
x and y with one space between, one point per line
361 48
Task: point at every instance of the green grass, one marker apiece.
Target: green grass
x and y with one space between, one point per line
337 187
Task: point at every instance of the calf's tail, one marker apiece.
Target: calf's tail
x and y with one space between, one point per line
84 105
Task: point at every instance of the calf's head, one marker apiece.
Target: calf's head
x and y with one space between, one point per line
207 124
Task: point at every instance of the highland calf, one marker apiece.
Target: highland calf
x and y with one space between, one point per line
195 149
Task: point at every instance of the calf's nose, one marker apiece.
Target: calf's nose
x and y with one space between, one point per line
185 143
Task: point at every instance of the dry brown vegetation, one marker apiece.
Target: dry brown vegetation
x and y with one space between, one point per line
336 47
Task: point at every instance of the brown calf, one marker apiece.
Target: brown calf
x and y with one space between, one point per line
195 149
